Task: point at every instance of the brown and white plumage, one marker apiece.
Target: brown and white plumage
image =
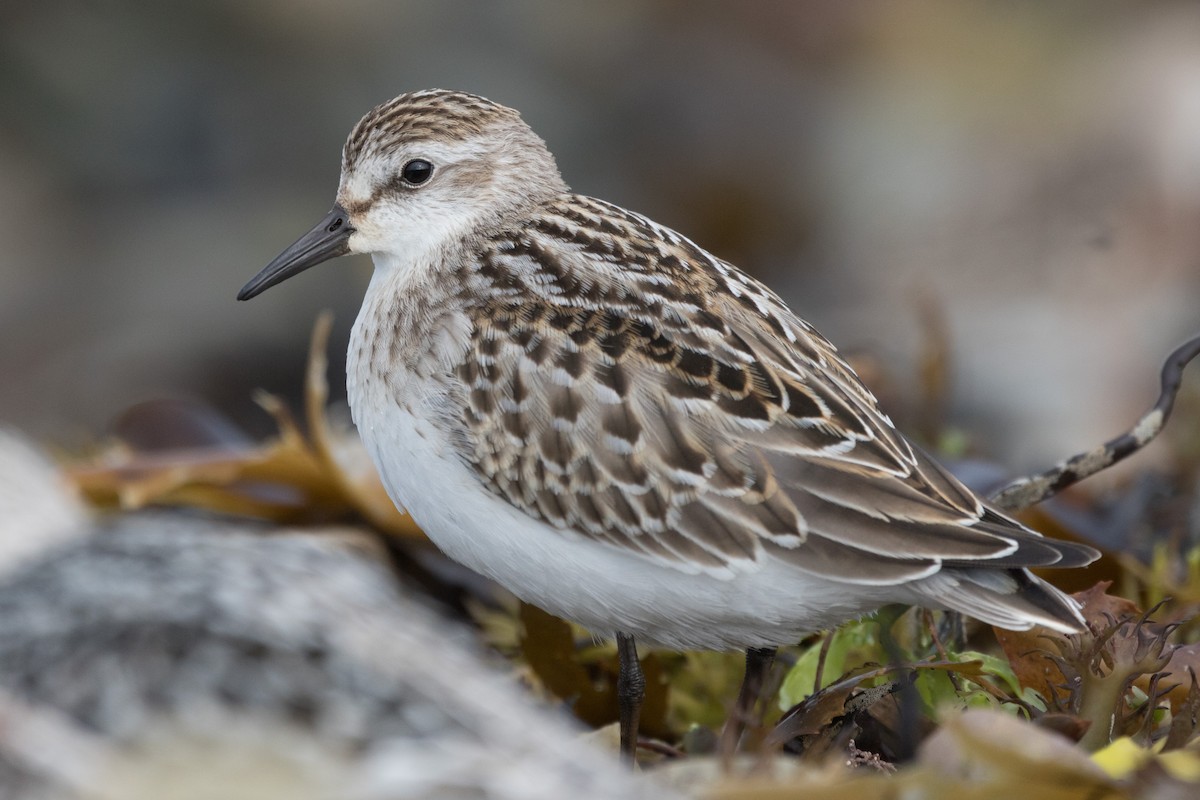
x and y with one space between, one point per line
623 428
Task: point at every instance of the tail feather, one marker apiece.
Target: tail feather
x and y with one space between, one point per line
1014 599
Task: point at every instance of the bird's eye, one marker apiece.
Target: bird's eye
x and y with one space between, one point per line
417 171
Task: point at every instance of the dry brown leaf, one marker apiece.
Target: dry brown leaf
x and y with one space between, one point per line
588 684
821 708
1034 654
548 647
1100 607
291 479
1185 662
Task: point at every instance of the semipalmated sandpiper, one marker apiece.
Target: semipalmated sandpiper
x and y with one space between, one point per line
622 428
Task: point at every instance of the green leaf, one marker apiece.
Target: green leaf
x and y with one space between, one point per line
855 644
993 666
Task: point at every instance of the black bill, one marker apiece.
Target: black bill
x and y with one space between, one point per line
328 239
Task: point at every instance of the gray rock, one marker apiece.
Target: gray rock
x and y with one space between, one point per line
173 656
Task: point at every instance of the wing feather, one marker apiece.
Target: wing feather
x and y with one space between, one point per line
676 408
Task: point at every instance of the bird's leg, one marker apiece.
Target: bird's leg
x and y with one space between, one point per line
631 688
758 664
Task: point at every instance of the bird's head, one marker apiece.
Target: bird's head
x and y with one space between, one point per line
419 173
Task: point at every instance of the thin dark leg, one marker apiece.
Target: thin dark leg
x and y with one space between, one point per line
631 688
758 664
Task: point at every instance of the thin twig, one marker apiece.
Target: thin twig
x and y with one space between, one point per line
821 654
1029 490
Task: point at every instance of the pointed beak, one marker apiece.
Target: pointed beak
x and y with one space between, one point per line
328 239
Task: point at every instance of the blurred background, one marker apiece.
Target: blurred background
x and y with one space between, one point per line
1027 173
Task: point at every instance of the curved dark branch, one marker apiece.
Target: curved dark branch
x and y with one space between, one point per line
1029 490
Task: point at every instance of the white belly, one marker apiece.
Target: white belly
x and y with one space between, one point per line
601 586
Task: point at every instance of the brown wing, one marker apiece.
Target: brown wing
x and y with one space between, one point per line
687 415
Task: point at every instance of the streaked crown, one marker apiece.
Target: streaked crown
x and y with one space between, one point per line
429 114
